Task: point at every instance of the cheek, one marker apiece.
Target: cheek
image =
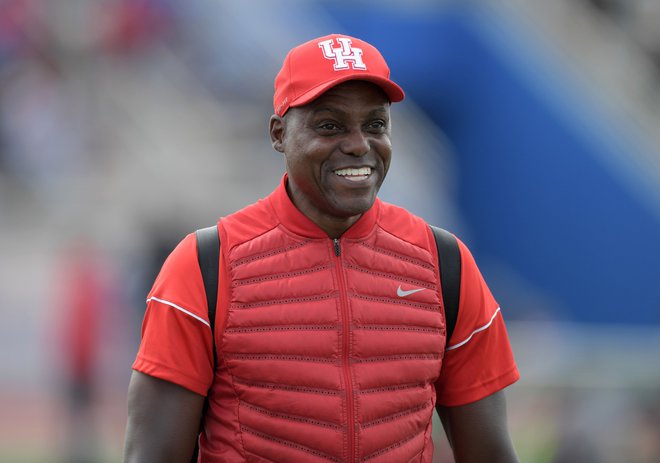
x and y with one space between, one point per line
385 153
310 157
304 167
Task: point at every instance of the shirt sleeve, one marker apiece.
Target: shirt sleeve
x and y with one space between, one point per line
478 359
176 342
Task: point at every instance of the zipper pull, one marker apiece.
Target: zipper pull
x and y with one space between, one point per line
337 250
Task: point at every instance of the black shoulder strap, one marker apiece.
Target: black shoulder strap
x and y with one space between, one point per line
449 257
208 254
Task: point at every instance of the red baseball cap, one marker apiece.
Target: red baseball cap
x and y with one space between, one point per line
315 66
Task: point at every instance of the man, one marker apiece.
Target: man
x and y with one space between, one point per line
330 331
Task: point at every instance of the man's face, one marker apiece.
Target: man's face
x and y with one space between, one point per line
337 151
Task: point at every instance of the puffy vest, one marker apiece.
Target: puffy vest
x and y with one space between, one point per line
328 350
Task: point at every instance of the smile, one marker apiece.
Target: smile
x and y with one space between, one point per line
354 173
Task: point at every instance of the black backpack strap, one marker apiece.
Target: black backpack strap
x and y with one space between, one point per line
449 258
208 254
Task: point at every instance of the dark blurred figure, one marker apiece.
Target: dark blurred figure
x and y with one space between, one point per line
639 20
610 7
82 287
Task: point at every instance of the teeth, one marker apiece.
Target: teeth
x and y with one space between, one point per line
350 172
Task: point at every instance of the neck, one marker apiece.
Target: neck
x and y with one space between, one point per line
334 226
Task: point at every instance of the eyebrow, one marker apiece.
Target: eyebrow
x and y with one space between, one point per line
380 112
329 109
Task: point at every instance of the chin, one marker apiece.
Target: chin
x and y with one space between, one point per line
355 206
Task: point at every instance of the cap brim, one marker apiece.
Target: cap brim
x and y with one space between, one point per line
393 91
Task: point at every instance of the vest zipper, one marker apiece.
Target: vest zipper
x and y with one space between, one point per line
346 345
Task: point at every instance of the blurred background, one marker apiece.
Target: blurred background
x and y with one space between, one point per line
531 129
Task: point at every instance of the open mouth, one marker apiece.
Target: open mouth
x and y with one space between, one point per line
354 173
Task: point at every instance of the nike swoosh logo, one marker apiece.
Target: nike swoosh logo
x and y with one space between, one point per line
401 293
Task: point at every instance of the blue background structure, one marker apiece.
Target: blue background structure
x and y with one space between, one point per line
533 187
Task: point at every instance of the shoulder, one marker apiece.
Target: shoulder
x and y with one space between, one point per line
404 225
179 283
182 261
248 223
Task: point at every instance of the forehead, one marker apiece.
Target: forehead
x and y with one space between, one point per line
351 96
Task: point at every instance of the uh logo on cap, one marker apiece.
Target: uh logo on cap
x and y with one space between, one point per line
344 56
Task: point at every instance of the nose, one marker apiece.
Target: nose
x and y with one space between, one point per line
355 143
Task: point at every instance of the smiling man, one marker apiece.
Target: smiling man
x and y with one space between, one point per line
330 339
337 150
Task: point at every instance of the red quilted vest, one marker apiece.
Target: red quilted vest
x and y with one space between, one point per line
328 350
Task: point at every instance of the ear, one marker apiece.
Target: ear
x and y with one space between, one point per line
276 130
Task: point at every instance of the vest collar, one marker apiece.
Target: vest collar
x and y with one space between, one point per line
294 220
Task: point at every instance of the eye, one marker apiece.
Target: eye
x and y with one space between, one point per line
377 125
328 127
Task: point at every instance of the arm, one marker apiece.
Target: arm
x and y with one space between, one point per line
163 421
478 432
